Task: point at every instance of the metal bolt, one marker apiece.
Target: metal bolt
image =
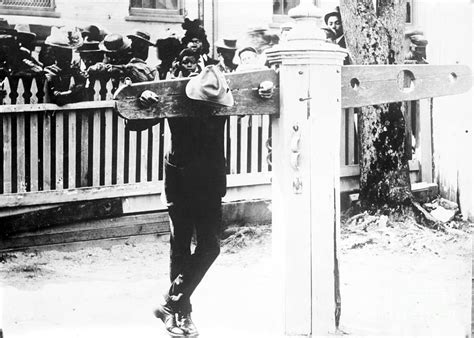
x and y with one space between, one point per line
301 72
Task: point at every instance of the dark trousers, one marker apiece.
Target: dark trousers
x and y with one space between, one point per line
187 269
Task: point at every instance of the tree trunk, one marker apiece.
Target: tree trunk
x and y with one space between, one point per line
376 36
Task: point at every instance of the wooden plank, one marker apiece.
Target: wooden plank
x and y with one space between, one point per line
379 84
350 137
34 158
7 154
132 157
42 107
20 91
66 213
343 141
59 151
20 153
7 99
96 147
109 147
78 194
233 120
84 150
47 151
425 149
266 125
256 124
120 150
72 150
244 139
143 155
153 227
173 101
155 162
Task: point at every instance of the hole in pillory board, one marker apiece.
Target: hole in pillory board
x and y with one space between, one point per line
406 81
355 83
453 77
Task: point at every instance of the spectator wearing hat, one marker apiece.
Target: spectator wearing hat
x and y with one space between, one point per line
27 65
195 182
195 38
249 59
90 54
415 47
63 41
137 69
8 50
334 23
186 65
91 33
118 53
226 49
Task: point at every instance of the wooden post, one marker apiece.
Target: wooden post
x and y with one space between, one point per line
305 179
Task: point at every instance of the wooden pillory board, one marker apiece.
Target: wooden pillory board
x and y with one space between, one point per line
313 88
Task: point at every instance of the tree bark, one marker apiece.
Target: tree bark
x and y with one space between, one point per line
376 36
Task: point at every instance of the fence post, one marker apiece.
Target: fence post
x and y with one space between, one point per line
305 178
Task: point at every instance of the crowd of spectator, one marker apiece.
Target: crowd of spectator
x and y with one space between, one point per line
88 54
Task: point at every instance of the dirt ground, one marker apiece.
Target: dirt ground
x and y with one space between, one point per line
396 279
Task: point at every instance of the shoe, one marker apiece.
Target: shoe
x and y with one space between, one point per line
169 319
186 324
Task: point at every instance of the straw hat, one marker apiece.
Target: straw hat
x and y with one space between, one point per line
210 86
69 38
23 30
142 36
227 43
115 43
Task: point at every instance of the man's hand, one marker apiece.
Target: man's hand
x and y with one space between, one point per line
51 71
147 99
266 89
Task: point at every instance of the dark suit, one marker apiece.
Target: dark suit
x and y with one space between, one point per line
195 182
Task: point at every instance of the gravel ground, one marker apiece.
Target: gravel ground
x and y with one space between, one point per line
396 279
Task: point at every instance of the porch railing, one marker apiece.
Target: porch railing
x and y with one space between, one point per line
54 149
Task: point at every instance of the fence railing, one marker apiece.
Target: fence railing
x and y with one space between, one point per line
51 148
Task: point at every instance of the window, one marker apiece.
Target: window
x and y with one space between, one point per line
28 7
156 10
281 8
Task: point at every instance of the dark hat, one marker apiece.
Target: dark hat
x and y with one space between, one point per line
115 43
227 43
6 30
24 32
89 47
143 36
334 12
247 49
91 32
210 86
64 37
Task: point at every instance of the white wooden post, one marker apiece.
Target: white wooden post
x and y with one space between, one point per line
306 174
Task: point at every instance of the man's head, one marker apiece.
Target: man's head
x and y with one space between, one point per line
117 49
25 37
188 61
8 48
140 44
333 21
63 41
227 48
248 55
63 56
90 53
